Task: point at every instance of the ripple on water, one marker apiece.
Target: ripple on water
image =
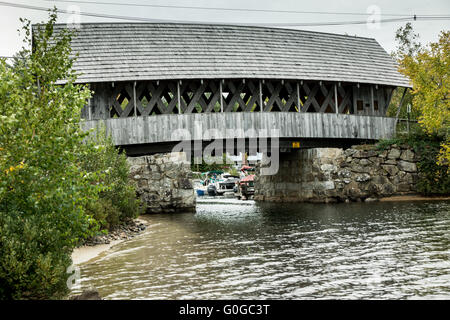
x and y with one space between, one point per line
233 251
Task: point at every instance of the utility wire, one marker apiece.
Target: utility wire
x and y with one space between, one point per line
293 24
229 9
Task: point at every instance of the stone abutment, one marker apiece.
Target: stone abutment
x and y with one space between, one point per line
360 173
163 182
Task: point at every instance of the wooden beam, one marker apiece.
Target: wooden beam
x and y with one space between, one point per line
372 103
179 97
400 106
234 96
260 96
311 93
328 94
336 98
134 98
274 96
294 125
221 96
298 98
355 107
89 109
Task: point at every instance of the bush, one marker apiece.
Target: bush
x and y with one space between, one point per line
33 258
433 177
117 199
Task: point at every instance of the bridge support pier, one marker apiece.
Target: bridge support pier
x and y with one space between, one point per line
359 173
304 175
163 182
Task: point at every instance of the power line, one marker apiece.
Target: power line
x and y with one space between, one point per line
228 9
293 24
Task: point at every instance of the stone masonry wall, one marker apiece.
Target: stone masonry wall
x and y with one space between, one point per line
163 182
360 173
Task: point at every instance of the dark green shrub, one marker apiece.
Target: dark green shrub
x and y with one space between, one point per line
117 199
433 178
33 259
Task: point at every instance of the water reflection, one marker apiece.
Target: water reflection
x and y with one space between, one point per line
243 250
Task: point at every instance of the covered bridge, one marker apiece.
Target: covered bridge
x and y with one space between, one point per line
151 79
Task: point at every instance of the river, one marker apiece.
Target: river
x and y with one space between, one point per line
234 249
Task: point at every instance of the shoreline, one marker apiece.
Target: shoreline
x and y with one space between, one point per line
94 247
86 253
414 197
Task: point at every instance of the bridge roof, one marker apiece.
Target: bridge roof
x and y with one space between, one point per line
158 51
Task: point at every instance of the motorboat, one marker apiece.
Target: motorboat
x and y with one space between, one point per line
199 187
246 188
212 190
226 185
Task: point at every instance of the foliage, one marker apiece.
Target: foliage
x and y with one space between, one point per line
117 200
212 163
233 171
43 191
407 45
387 143
395 101
58 185
433 177
429 70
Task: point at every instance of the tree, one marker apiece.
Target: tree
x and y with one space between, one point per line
407 45
429 70
43 189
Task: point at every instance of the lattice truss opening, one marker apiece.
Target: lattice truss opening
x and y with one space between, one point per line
236 95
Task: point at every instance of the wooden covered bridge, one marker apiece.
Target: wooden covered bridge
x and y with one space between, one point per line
151 79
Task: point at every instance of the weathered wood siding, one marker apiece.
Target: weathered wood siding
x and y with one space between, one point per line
162 128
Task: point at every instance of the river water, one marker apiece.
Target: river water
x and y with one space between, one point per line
234 249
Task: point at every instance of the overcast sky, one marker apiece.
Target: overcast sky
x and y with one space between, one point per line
384 33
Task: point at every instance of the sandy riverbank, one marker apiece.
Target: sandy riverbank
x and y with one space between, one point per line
88 252
414 198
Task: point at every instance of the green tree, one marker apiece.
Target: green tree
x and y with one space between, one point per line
43 189
408 44
429 70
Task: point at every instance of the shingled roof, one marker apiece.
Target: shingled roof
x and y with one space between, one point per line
157 51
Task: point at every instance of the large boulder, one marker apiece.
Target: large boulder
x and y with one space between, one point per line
407 155
394 154
407 166
390 169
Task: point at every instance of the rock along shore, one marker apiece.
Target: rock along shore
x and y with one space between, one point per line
124 231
